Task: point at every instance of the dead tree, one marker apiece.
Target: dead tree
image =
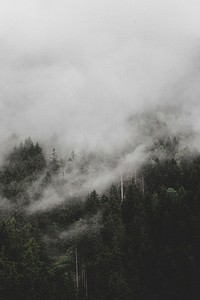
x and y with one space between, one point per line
77 276
122 188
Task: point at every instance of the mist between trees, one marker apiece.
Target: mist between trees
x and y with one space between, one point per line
97 225
102 202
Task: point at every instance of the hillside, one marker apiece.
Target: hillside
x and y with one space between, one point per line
139 239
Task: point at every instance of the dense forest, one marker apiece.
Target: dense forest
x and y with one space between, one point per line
139 240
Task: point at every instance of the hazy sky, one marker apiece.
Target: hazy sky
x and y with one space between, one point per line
81 68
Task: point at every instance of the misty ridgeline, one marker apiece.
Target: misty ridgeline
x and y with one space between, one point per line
91 225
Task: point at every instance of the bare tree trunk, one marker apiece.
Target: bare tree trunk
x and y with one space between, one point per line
135 177
122 188
86 285
143 184
77 282
84 278
82 282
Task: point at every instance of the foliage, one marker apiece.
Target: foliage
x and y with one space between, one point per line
145 247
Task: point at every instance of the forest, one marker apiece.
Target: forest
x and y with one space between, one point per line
137 240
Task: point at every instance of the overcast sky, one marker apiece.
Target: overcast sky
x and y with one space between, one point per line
80 68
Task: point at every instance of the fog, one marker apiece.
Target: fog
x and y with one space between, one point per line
85 76
76 70
82 228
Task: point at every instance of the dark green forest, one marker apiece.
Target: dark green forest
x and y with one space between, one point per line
142 244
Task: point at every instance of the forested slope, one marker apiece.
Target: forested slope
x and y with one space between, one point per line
143 244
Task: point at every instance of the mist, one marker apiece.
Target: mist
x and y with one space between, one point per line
86 76
82 228
73 72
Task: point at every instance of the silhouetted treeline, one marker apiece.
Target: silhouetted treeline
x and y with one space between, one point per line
142 246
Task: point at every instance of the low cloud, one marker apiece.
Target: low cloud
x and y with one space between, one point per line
82 228
86 76
81 69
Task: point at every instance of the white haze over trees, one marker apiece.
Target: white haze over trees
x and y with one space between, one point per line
74 73
79 69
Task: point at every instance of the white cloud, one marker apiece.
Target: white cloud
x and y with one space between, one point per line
81 68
